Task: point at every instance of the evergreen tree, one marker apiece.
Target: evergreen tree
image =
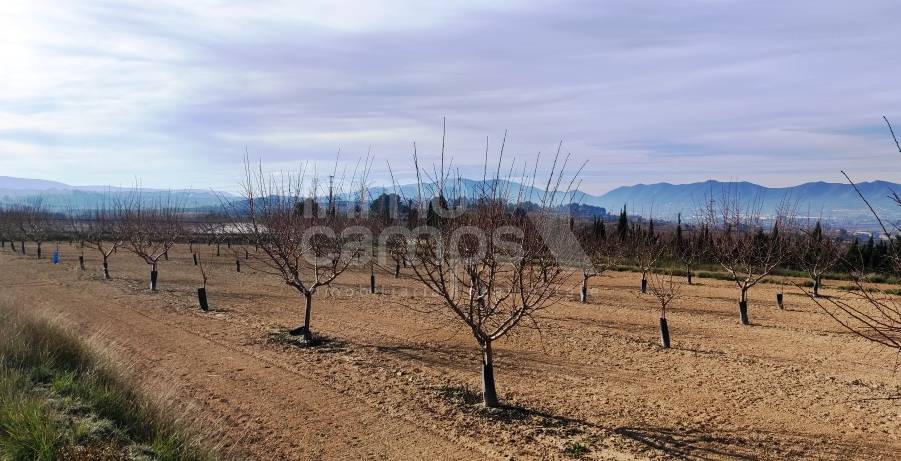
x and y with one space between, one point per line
622 226
678 238
412 215
431 218
598 230
817 234
854 253
868 253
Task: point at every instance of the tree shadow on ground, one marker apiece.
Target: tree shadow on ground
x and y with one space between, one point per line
320 342
704 445
689 444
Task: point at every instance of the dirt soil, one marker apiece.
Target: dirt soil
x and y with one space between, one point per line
393 383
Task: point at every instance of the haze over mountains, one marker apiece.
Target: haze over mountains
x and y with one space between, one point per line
58 196
834 202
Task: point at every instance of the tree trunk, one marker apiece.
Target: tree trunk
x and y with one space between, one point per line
816 287
743 311
397 270
489 391
779 300
195 258
644 282
153 277
308 313
237 265
217 250
39 250
304 330
81 262
689 275
583 292
372 282
106 267
201 298
23 246
664 333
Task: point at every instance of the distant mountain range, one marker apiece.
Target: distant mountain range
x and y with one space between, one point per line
834 202
57 196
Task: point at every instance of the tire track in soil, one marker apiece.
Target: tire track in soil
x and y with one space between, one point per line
282 411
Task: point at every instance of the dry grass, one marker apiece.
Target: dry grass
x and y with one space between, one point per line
61 400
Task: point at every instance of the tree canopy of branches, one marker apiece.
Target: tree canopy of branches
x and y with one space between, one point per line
818 253
645 248
487 264
604 253
149 230
665 289
305 246
871 315
33 223
99 230
740 243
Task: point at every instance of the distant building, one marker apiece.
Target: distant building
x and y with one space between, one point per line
862 236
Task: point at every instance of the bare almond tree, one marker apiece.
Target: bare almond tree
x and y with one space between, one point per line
605 254
871 314
304 244
665 289
214 233
689 248
646 249
33 223
487 265
100 231
149 230
741 243
201 292
6 229
818 253
396 248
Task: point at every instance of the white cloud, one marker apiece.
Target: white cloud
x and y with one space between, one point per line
171 92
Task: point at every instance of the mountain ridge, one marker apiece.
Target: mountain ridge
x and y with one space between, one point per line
837 202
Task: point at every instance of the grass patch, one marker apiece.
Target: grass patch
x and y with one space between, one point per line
320 342
60 400
712 271
461 395
575 449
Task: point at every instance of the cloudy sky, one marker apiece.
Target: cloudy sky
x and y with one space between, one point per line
171 93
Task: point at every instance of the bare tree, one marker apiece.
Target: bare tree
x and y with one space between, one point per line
646 249
605 254
33 223
396 247
742 245
149 230
689 247
872 315
818 254
305 245
99 230
214 233
6 228
485 263
201 292
665 288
